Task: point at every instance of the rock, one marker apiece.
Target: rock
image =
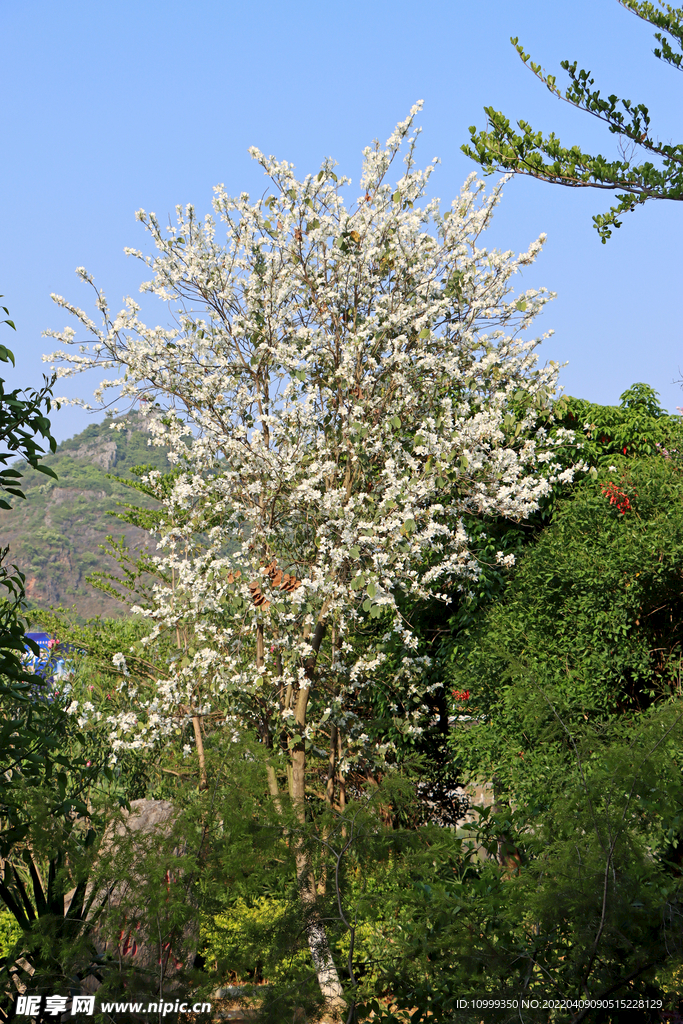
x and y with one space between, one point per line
102 453
150 950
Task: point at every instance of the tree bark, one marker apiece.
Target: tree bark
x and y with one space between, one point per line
328 977
199 740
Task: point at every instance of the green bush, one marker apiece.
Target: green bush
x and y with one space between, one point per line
252 942
10 933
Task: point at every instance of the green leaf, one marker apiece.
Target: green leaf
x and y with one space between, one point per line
520 306
46 470
396 196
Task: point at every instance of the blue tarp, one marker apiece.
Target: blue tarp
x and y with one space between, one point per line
52 667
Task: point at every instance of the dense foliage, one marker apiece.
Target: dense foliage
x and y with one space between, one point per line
573 711
44 774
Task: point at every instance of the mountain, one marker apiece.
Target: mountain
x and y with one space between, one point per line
55 535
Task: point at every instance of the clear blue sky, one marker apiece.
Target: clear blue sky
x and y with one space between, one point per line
112 106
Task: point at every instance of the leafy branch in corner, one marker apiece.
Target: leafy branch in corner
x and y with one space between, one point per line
522 150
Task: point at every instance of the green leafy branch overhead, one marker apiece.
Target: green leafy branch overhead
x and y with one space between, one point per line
522 150
21 422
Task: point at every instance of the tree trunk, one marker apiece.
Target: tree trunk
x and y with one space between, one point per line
328 977
197 726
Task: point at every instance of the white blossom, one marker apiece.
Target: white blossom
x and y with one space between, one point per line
119 661
503 559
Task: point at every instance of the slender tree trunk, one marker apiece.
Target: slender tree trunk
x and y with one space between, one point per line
328 977
260 649
199 740
323 962
329 799
331 766
340 775
273 788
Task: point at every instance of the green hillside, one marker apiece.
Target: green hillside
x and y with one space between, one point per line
55 535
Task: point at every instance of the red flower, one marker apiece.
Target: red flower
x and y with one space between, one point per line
617 497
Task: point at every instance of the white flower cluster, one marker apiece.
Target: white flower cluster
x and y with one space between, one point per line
503 559
341 388
119 662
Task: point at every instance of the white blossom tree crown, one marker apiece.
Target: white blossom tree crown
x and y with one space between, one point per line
355 380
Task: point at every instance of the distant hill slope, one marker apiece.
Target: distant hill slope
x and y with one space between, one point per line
55 535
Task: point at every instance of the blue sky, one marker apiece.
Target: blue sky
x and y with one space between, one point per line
108 107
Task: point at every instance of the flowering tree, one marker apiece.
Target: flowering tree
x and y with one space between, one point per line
338 390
